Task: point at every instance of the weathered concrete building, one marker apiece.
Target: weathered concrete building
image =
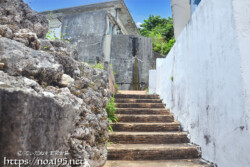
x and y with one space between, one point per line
106 32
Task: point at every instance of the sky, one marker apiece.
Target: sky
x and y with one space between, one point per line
139 9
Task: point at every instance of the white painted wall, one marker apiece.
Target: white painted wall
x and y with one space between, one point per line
152 79
181 12
210 91
242 22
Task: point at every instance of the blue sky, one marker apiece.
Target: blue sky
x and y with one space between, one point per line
140 9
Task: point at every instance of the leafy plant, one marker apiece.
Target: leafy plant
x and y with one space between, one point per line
98 66
161 31
109 143
51 34
114 73
169 45
111 109
172 79
116 87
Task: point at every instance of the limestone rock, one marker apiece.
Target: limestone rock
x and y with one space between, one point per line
5 31
66 80
32 116
21 60
46 45
18 14
40 30
28 38
70 66
83 131
85 92
1 66
65 55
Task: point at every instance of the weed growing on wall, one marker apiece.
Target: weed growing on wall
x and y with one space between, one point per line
51 34
116 88
111 109
114 73
98 66
172 79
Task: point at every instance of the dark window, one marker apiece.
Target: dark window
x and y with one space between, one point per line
196 2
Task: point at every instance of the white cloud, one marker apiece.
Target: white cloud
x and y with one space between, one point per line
138 24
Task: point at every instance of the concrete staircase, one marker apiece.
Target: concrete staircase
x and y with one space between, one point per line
147 136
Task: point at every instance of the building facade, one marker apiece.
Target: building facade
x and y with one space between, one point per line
106 32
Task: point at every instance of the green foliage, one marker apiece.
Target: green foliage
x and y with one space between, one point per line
161 31
98 65
51 35
172 79
111 109
169 45
114 73
109 143
116 88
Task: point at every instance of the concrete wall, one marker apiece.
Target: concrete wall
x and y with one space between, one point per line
145 60
194 4
90 32
242 18
205 81
55 27
123 53
86 31
111 78
181 15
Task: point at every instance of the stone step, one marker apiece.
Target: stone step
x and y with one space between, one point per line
148 137
148 111
134 96
140 105
145 118
133 92
161 163
152 151
138 100
146 127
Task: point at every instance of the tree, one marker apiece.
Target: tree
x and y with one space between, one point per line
161 31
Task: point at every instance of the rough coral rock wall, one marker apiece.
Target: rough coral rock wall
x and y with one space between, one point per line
49 101
19 22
